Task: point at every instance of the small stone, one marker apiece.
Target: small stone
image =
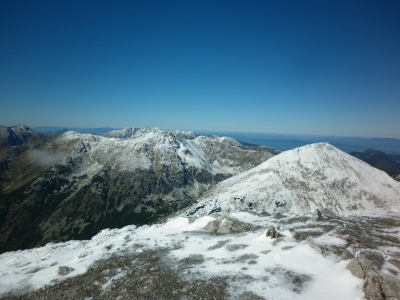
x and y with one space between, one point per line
106 272
252 262
314 245
63 270
247 256
234 247
191 219
287 247
263 213
247 296
265 251
194 259
220 244
271 232
127 237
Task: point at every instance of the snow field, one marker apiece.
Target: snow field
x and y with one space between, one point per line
279 270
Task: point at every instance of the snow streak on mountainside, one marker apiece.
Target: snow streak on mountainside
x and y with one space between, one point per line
78 184
303 179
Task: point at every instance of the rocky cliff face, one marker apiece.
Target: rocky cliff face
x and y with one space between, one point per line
78 184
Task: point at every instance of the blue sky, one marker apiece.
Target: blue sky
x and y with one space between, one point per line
297 67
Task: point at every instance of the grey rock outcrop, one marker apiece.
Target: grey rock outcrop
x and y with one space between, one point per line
223 225
377 286
271 232
314 244
346 254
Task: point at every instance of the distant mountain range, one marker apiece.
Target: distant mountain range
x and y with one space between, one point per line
72 185
279 225
285 142
61 130
380 160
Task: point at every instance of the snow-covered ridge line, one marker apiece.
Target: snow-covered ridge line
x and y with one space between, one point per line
302 180
127 148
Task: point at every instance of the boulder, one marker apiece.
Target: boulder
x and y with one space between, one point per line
63 270
355 268
224 225
367 263
372 288
271 232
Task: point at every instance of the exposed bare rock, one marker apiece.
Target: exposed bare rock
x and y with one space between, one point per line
317 215
223 225
313 244
63 270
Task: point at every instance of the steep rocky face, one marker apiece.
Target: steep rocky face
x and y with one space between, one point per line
78 184
302 180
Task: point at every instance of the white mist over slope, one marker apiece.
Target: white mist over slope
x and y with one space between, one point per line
303 179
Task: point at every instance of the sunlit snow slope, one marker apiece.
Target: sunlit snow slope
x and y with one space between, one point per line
303 179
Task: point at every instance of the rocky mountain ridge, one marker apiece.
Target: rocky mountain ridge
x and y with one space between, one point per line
77 184
17 135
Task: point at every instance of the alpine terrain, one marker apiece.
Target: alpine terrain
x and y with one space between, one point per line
309 223
302 180
76 184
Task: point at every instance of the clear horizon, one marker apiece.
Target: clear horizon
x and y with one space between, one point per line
296 68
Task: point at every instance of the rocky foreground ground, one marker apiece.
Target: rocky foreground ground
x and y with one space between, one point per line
368 245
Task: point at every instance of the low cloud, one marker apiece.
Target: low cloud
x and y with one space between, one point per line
44 158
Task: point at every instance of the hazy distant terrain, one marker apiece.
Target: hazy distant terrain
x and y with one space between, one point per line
280 142
285 142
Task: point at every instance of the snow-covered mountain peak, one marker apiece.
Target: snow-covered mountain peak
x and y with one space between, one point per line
303 179
158 150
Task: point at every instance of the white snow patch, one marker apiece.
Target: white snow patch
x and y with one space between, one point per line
267 274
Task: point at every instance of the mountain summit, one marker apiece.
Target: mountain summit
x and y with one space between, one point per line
302 180
17 135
